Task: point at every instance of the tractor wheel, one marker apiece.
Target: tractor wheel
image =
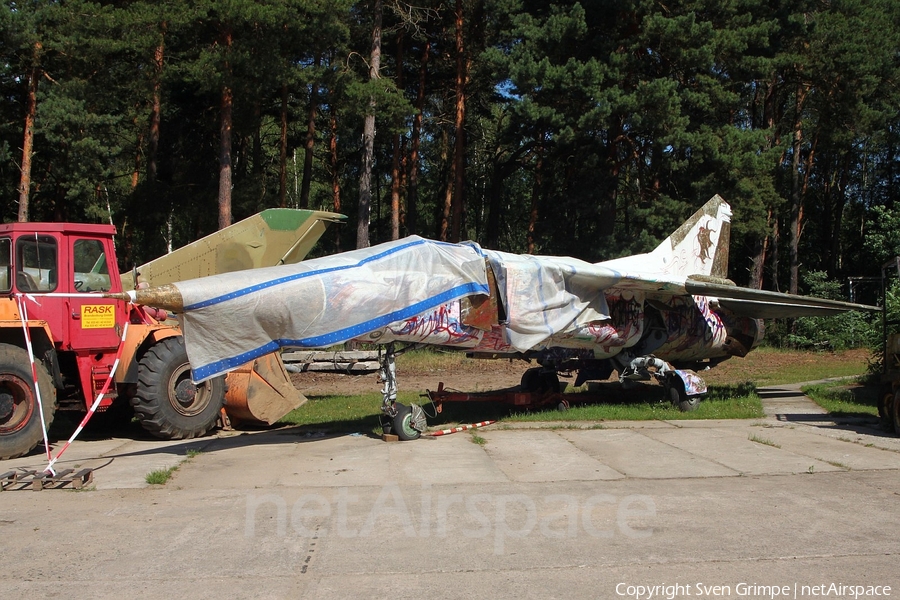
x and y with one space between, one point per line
20 421
167 403
679 397
402 425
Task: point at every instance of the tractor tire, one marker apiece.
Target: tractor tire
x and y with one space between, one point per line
20 421
166 402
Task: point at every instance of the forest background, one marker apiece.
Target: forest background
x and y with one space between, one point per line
590 129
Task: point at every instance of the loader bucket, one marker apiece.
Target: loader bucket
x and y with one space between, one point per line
260 392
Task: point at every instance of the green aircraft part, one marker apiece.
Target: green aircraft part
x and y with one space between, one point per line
272 237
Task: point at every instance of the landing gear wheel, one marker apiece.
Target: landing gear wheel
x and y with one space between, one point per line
167 403
679 397
540 381
885 401
402 424
20 421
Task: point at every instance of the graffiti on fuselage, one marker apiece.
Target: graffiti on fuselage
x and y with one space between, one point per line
692 327
607 337
440 326
629 314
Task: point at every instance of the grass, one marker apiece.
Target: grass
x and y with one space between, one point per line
428 359
763 441
842 400
721 402
160 476
361 413
342 413
731 394
838 464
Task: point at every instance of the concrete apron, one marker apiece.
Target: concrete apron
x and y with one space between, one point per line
789 500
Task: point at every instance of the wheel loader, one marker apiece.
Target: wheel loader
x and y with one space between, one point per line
48 272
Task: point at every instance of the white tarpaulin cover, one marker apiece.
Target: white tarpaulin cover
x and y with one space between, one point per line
232 318
377 293
548 295
547 301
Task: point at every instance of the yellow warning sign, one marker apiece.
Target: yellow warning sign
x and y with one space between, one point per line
98 316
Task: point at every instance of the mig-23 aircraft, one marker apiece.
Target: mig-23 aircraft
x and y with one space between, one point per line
660 314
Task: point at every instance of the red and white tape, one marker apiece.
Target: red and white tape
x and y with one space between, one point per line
96 403
460 428
23 317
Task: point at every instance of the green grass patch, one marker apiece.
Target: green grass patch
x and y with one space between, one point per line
160 476
342 414
844 400
721 402
431 359
763 441
730 396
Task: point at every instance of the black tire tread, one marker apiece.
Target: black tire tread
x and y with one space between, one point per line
150 402
14 358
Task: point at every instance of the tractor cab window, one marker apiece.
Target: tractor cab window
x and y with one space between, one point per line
5 265
91 271
36 263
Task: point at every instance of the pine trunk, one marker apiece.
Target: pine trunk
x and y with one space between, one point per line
796 195
156 109
225 127
335 178
412 193
365 178
310 140
459 151
225 183
282 148
28 138
395 160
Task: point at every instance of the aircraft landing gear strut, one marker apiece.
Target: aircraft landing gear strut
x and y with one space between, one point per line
406 422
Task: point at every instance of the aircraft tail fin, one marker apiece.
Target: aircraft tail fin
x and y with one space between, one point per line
698 247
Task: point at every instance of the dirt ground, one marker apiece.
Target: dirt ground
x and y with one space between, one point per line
473 375
469 375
